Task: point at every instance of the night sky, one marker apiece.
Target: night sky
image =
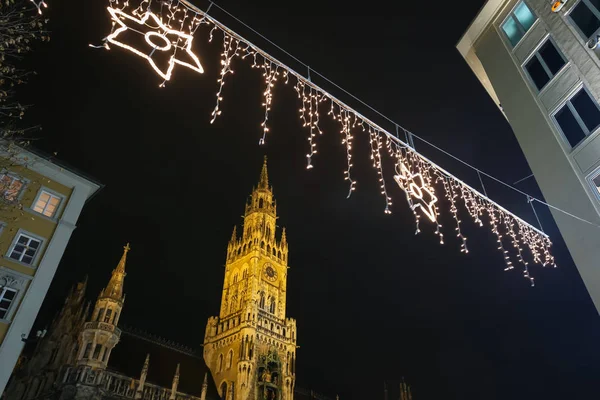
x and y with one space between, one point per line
373 302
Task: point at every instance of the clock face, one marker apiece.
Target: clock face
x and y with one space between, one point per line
270 273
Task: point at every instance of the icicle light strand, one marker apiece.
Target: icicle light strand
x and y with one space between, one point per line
420 178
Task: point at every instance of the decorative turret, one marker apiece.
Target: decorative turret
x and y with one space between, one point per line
405 393
143 375
204 387
385 391
175 384
100 334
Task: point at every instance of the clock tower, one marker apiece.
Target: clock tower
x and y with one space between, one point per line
250 347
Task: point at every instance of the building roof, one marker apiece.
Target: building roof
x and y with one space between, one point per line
63 166
129 355
481 21
49 167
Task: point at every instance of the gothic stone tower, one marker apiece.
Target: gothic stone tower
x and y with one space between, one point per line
100 334
250 347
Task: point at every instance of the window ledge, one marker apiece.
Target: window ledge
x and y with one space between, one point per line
42 216
7 258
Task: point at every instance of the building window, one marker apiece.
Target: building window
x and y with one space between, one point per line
97 352
594 180
229 359
25 249
7 297
586 17
10 187
518 23
88 350
272 306
578 117
545 64
107 316
47 204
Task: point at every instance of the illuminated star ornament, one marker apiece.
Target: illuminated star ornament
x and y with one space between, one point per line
162 32
159 38
39 4
415 187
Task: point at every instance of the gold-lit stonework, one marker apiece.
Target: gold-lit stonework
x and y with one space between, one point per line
250 347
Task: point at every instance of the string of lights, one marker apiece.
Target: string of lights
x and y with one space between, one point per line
419 178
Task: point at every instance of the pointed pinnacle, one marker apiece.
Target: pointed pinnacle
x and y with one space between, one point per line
264 176
121 265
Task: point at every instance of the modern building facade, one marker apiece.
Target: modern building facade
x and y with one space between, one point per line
75 360
540 62
40 203
250 347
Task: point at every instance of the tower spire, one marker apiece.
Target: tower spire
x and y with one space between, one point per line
114 289
143 376
121 266
264 176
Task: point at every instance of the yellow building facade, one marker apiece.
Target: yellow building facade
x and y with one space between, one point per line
250 348
40 203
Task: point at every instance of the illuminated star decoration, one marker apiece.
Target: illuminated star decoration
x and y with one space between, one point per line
160 33
415 187
39 4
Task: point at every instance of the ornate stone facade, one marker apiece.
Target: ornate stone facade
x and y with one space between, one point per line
71 361
250 347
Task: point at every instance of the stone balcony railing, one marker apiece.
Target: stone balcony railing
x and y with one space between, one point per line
102 326
117 385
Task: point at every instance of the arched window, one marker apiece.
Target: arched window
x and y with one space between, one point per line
229 359
272 306
262 245
235 278
260 203
99 314
279 254
293 363
274 252
107 316
261 304
245 273
244 248
220 365
268 248
224 390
